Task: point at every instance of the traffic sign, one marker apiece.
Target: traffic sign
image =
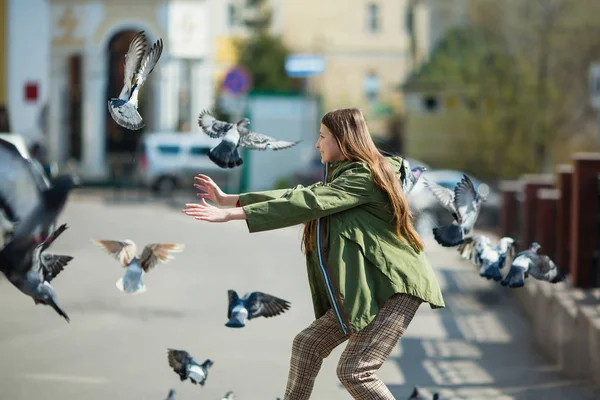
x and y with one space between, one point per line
237 81
302 65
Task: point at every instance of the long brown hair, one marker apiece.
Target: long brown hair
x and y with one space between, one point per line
349 128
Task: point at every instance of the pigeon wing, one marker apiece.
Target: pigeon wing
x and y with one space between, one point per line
233 297
444 195
212 126
149 62
464 195
55 234
133 58
122 250
258 141
52 264
465 249
178 360
21 184
264 305
158 252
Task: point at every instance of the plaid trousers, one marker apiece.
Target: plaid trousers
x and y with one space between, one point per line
364 354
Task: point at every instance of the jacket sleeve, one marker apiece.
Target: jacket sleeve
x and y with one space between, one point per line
352 188
256 197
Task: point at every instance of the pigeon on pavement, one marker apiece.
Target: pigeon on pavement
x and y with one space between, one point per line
252 305
417 395
43 267
530 262
464 202
126 252
409 177
171 395
138 62
186 366
226 154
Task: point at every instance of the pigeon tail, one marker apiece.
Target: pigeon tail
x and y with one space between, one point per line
559 277
234 323
125 114
140 287
448 235
493 272
52 303
226 155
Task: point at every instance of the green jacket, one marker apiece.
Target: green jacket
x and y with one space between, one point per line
359 261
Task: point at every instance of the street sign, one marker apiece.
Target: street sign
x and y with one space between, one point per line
303 65
594 76
237 81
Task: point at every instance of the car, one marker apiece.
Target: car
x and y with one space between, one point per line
167 161
429 213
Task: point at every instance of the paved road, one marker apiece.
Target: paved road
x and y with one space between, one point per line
115 346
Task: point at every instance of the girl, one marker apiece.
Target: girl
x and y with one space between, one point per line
366 267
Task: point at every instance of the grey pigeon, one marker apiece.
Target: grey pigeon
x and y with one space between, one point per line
464 202
252 305
529 262
171 395
226 154
490 259
417 395
229 396
472 247
409 177
126 252
186 367
35 281
6 229
27 199
138 63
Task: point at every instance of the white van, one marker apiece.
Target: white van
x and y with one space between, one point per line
170 160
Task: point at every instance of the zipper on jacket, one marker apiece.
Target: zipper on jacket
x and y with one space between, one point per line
337 308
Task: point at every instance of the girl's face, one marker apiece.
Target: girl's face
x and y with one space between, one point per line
328 146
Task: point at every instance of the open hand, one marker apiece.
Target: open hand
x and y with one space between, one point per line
206 212
211 190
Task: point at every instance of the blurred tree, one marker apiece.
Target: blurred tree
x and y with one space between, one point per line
521 69
263 53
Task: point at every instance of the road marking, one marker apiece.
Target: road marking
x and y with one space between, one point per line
66 378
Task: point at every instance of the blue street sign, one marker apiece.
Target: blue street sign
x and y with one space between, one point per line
302 65
237 80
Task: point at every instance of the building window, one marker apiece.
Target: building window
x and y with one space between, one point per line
231 15
431 103
373 23
371 87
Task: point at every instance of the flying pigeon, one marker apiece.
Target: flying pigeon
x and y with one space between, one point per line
229 396
171 395
226 154
138 62
489 258
408 176
252 305
43 267
125 251
186 367
529 262
464 203
417 395
27 199
472 247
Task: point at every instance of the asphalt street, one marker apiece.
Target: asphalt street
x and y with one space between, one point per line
115 347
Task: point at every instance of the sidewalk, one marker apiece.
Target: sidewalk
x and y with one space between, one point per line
479 347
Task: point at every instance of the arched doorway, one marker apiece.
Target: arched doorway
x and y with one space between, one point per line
121 142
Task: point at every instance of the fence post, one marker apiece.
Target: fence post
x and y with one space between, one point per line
545 220
509 210
563 217
584 215
531 184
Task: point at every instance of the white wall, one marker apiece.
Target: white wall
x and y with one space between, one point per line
28 59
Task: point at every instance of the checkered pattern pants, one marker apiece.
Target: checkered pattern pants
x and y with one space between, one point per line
364 354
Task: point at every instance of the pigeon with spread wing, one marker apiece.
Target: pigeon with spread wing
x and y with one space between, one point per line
252 305
187 367
35 281
530 262
226 154
126 252
464 203
139 63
